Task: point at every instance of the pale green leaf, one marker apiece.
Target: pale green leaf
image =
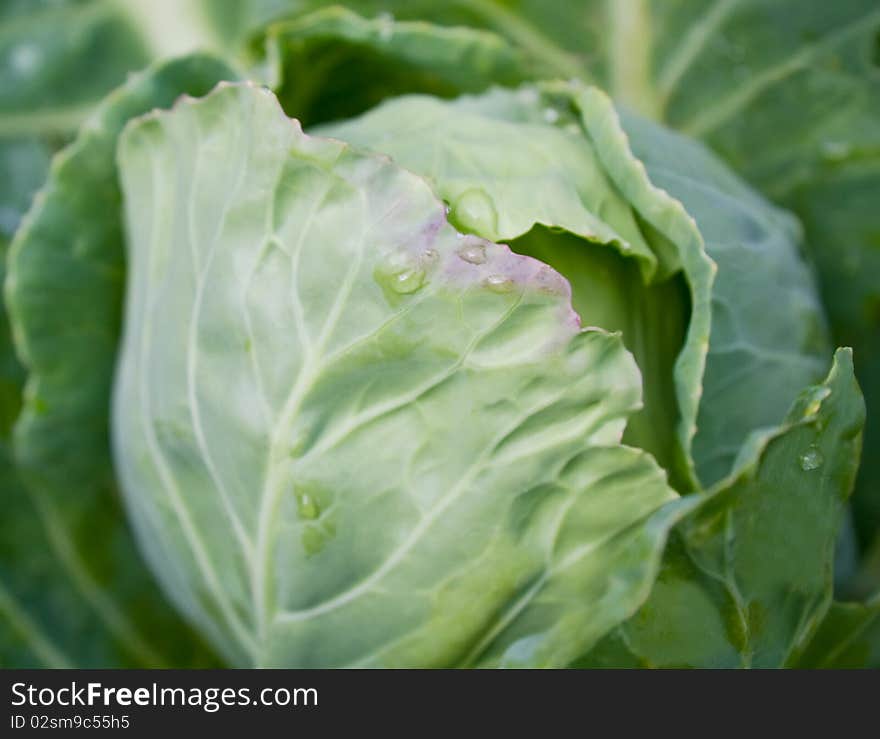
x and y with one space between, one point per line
349 435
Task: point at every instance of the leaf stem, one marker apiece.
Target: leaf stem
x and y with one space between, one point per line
629 55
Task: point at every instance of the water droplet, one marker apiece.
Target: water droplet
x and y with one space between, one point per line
835 151
473 253
313 540
498 283
475 212
811 459
401 274
407 281
809 403
307 506
386 26
429 256
551 115
317 534
24 58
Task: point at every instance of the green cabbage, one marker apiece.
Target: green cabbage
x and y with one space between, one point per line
485 368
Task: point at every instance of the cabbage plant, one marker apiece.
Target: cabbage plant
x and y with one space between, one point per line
475 334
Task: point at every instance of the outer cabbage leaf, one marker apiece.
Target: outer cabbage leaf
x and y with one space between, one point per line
560 39
333 63
59 58
747 576
768 329
839 211
799 119
848 638
349 435
73 593
530 161
69 564
26 161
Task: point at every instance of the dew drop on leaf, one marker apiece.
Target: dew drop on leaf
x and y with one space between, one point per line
315 536
407 281
306 506
474 211
313 540
811 459
473 253
498 283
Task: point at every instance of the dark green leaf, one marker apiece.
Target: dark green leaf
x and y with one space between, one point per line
848 637
333 63
70 571
747 577
57 59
